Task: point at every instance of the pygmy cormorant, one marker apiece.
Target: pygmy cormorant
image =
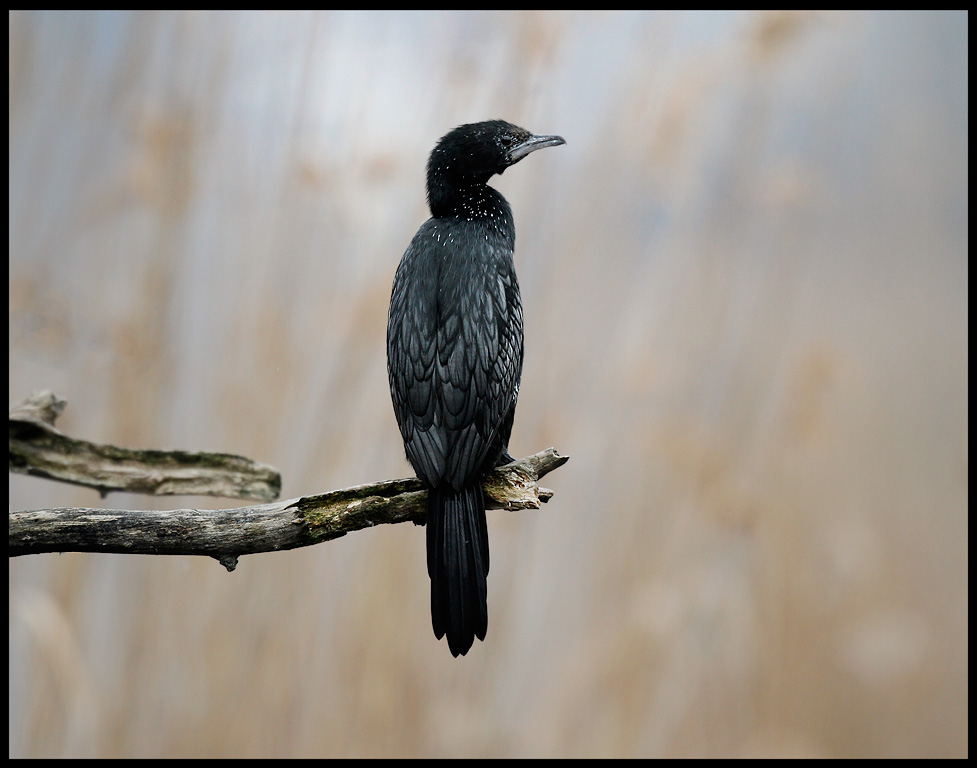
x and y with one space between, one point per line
454 359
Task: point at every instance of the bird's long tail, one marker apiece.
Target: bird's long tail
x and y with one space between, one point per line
457 562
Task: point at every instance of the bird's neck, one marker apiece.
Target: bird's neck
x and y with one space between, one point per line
468 201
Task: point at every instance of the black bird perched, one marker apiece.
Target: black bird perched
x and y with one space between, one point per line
454 359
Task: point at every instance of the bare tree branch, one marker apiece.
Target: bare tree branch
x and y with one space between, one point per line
226 534
37 448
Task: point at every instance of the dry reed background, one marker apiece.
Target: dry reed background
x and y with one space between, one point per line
746 310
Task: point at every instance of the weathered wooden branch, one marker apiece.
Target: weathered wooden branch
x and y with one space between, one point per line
226 534
37 448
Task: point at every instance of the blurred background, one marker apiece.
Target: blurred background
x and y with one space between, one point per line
745 286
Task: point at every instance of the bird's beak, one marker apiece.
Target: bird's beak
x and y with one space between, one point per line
533 143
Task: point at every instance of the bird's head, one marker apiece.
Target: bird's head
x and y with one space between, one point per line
471 154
